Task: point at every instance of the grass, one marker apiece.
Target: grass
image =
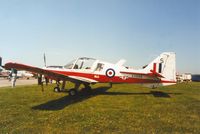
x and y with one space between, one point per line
121 109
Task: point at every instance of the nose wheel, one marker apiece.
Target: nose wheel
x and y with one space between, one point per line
56 89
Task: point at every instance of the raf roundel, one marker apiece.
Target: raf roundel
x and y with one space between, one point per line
110 73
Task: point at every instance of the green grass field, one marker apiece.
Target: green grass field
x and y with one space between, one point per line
121 109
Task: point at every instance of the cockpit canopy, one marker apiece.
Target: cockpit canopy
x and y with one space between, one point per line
81 63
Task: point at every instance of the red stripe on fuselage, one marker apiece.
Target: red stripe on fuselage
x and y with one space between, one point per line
105 79
166 81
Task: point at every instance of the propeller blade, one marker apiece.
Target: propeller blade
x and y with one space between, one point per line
45 63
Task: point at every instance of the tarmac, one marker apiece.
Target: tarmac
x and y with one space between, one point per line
7 83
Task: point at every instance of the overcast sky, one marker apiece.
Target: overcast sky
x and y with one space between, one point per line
136 30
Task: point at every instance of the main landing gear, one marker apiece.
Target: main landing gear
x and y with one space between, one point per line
74 91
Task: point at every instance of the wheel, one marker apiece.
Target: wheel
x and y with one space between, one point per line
73 92
56 89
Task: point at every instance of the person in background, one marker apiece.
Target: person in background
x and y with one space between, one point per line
14 77
10 76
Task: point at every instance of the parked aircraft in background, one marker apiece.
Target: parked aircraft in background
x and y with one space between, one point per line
4 73
24 74
20 74
86 71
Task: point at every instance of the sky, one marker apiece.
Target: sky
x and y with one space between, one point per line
135 30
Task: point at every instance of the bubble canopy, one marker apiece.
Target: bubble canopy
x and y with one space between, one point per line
80 63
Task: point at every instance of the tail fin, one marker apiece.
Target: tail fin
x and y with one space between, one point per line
164 66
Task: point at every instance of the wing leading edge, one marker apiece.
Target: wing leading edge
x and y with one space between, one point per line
37 70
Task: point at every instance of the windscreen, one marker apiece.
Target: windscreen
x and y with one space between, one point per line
84 63
70 65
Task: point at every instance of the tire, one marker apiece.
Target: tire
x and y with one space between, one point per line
73 92
56 89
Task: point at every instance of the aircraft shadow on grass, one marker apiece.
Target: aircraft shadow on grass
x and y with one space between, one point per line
61 103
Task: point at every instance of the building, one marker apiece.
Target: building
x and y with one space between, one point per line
196 77
186 77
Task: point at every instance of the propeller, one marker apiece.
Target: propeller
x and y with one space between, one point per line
39 76
45 63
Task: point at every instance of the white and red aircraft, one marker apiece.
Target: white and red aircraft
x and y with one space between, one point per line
86 71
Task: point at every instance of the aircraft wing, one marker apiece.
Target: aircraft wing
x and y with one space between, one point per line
51 74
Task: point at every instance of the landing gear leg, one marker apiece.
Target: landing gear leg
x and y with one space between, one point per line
111 85
63 86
